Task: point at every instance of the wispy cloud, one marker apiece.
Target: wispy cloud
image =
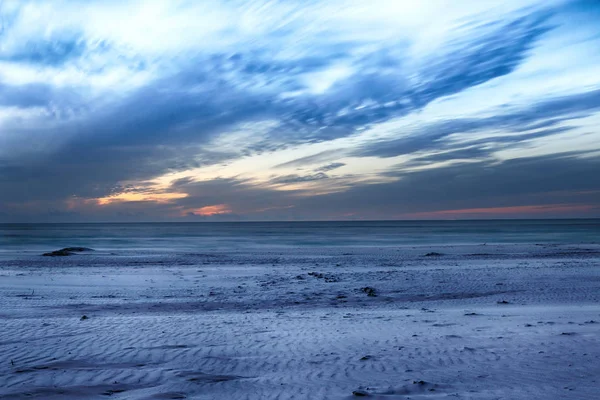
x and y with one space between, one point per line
330 167
294 178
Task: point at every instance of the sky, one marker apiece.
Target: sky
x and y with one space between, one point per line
227 110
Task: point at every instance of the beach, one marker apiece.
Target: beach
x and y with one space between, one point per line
469 321
300 200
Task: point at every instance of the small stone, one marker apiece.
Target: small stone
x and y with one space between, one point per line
369 291
67 251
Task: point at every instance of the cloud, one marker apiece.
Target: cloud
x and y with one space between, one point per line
330 167
207 211
554 179
312 159
52 51
292 179
545 186
466 153
546 114
117 99
365 98
209 92
41 95
497 50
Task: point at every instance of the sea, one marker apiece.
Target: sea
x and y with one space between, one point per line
237 235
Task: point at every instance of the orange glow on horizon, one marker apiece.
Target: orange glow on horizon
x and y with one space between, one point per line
207 211
128 197
533 209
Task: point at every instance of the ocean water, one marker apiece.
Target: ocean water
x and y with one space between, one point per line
221 236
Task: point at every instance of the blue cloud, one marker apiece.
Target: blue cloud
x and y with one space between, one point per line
248 84
552 179
52 52
497 50
41 95
546 114
294 178
141 109
313 159
330 167
494 50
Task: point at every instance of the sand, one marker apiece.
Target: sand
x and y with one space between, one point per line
472 322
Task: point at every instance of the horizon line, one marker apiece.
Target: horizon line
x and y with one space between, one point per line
307 221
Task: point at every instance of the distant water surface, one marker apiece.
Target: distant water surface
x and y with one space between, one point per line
223 235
